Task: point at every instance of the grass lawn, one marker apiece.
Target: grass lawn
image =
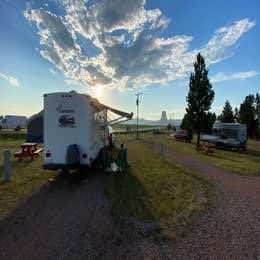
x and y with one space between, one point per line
27 176
156 190
237 162
132 126
254 145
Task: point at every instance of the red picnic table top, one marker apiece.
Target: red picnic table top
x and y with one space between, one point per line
28 144
28 150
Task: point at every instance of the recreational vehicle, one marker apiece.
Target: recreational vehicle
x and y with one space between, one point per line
13 122
228 135
75 128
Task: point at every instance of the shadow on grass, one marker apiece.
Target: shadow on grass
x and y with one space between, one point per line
252 153
128 195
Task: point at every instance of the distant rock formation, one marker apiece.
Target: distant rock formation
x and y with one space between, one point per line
164 120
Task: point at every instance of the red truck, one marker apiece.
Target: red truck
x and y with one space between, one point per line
183 135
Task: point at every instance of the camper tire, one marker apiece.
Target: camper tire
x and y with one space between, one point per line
64 172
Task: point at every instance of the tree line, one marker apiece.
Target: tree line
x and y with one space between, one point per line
200 98
247 113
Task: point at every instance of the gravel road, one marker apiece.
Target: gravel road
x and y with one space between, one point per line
71 219
231 230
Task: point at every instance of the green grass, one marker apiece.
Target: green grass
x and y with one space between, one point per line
27 176
8 140
156 190
132 126
238 162
254 145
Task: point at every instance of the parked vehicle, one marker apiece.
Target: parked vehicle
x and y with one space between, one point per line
228 136
75 129
13 122
182 135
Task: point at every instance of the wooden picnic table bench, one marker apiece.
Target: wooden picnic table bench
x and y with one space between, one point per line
28 150
199 147
209 148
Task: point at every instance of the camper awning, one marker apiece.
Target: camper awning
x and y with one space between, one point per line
100 107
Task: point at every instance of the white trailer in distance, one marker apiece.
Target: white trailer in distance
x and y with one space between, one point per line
13 122
228 136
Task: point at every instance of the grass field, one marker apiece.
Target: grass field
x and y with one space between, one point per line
156 190
26 176
132 126
237 162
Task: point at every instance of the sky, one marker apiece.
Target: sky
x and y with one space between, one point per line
112 49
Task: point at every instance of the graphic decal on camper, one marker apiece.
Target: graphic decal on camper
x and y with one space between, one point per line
67 121
60 109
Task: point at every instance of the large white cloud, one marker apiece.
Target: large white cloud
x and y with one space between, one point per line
128 38
12 80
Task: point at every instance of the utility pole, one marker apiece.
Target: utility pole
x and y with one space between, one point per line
137 114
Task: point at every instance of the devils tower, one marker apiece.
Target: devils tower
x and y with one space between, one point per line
164 119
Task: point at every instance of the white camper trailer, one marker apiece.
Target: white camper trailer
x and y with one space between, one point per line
75 128
13 122
228 135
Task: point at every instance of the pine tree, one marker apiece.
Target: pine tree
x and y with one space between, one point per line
200 96
236 114
247 114
227 114
257 106
208 123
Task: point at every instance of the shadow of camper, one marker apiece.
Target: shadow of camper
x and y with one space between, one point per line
67 121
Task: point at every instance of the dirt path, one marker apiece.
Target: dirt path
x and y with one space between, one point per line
232 229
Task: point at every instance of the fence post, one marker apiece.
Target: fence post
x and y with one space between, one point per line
162 151
7 167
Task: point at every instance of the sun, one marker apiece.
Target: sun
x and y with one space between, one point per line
99 90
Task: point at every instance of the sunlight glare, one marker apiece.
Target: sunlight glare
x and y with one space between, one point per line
99 90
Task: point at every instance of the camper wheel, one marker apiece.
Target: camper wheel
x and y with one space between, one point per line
64 172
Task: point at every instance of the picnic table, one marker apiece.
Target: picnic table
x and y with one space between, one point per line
28 150
208 148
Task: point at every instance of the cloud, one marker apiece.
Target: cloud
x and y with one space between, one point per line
13 81
130 49
234 76
52 72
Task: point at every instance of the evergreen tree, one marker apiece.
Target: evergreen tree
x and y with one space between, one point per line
208 123
227 114
247 114
200 97
257 106
236 114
